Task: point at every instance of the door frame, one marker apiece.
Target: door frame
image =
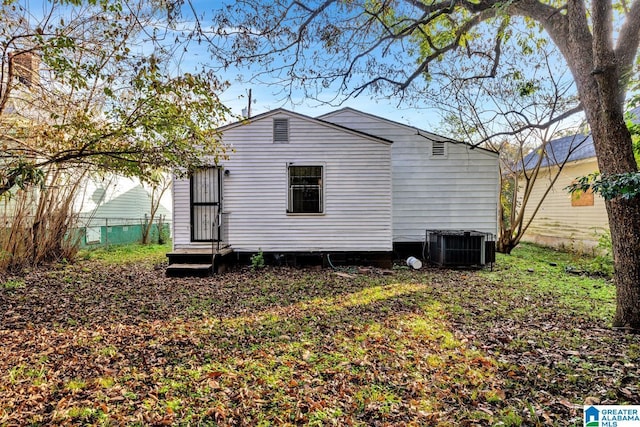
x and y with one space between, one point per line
216 206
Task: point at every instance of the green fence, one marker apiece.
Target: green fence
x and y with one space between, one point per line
98 232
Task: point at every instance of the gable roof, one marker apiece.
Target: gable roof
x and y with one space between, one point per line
567 149
384 119
132 204
421 132
318 121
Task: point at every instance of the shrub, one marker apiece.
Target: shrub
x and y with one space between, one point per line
257 261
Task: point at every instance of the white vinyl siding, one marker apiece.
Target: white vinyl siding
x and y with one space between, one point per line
356 189
181 213
457 189
133 203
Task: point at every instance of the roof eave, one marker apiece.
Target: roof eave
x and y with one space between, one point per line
303 117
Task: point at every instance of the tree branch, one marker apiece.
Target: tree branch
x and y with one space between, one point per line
437 52
530 125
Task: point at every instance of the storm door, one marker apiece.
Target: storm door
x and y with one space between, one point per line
205 205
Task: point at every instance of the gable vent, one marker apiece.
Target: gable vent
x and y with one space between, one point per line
438 148
280 130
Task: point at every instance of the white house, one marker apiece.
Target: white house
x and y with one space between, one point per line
291 184
119 213
344 182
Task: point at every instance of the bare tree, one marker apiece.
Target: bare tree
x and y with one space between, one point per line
159 186
518 111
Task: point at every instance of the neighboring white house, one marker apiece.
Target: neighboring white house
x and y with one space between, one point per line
118 213
347 181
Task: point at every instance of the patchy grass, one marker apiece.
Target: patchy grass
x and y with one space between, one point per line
127 254
109 342
10 285
533 272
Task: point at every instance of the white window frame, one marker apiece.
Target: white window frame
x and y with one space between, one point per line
321 188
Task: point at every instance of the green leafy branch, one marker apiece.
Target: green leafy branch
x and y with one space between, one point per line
624 185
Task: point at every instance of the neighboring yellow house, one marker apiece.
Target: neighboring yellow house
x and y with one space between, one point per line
574 221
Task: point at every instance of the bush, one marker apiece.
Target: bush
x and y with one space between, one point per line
257 261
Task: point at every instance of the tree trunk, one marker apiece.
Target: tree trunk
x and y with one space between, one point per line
613 146
505 243
624 222
598 77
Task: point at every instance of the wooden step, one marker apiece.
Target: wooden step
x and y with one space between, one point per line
185 270
197 256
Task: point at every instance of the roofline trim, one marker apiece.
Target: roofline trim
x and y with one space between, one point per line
421 132
307 118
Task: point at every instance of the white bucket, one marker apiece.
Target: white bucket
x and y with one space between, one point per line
414 263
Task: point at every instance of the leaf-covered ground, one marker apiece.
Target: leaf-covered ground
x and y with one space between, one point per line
103 344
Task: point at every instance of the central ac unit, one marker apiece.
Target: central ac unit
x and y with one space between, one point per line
460 248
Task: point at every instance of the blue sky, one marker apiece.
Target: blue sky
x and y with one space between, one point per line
266 97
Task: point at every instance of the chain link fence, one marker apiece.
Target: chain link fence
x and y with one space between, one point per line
103 232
